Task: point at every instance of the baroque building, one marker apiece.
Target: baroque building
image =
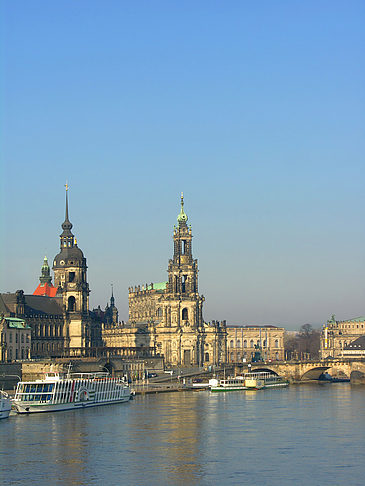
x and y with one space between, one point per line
337 336
167 317
59 316
244 342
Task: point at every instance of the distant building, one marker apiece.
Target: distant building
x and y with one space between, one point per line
167 317
15 339
45 287
356 349
336 336
243 342
59 316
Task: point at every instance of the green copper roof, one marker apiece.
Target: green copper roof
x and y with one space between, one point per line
158 286
16 323
356 319
182 217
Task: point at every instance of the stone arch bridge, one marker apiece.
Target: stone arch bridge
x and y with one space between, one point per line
311 370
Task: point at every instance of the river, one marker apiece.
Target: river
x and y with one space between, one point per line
301 435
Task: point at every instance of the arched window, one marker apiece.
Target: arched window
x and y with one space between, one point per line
238 356
232 357
71 304
245 343
251 343
159 312
276 343
238 343
206 356
231 345
184 315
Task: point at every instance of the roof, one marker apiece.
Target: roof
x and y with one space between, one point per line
253 326
46 289
358 344
33 305
355 319
157 286
14 322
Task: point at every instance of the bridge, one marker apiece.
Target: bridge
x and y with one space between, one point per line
353 368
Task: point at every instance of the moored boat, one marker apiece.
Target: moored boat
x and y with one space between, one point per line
5 405
227 384
69 391
264 379
249 381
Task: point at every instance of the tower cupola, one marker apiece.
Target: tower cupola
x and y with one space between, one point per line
182 217
45 273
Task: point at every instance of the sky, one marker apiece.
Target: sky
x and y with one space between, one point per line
255 110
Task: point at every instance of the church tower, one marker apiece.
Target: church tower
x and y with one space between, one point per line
183 274
70 268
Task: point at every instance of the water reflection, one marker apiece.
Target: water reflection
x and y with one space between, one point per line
307 434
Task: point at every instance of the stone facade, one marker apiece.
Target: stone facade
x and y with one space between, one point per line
244 341
167 317
337 335
61 324
15 339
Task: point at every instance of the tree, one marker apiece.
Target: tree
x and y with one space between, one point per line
305 344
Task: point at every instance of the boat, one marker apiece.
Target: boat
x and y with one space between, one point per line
5 405
227 384
249 381
69 391
264 379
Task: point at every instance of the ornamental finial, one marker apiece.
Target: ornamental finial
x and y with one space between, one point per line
182 217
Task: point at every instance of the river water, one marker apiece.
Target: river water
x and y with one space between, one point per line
301 435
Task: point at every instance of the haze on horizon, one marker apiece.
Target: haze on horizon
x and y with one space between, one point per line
255 111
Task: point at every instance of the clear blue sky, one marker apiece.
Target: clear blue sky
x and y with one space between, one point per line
256 110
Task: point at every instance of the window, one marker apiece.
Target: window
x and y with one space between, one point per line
71 304
22 338
251 343
245 343
159 312
183 283
10 338
183 247
238 343
206 356
231 344
17 354
276 343
184 315
71 276
27 338
16 337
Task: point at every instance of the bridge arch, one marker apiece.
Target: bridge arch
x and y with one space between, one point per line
314 373
261 369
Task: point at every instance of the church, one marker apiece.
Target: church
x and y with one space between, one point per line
167 317
58 315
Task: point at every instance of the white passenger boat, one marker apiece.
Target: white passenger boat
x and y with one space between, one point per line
5 405
249 381
227 384
264 379
68 391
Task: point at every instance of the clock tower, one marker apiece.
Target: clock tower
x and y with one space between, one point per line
70 269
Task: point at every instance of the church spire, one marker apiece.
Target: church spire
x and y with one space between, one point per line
67 238
182 217
112 300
